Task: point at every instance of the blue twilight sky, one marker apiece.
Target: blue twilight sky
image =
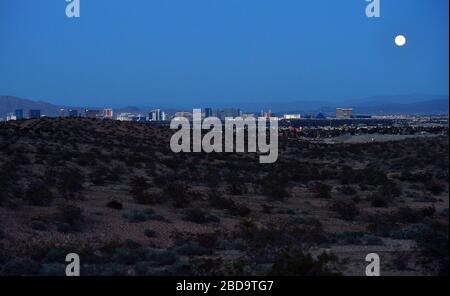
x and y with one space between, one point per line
220 52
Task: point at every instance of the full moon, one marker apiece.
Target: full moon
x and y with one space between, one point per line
400 40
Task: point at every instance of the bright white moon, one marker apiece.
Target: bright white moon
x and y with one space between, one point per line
400 40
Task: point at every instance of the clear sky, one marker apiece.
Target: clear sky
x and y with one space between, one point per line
178 52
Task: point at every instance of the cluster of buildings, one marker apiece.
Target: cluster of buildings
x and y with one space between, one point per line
19 114
157 115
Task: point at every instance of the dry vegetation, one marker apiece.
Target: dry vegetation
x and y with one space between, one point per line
114 193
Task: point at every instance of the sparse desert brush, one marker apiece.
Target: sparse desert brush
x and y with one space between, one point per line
114 204
179 193
137 216
199 216
322 190
347 190
380 200
38 194
434 186
70 180
219 202
138 184
346 209
149 198
297 263
275 187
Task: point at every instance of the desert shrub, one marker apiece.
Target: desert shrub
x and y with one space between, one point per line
346 210
192 249
126 255
53 269
112 269
409 215
432 239
138 185
199 216
38 194
299 264
283 211
147 198
69 218
150 233
231 244
39 225
379 200
114 204
274 186
161 257
5 197
178 193
415 177
359 238
390 189
70 180
247 228
382 225
234 208
136 216
322 190
434 187
54 255
292 232
20 266
347 190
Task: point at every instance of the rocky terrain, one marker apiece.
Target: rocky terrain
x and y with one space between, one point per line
115 193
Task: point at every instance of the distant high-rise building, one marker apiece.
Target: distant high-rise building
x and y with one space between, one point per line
34 114
228 112
92 113
156 115
344 113
108 113
73 113
10 116
208 112
292 116
19 114
267 114
187 115
61 112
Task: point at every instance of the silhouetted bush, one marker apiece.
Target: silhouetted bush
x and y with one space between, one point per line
69 218
219 202
322 190
275 187
136 216
150 233
38 194
199 216
434 187
300 264
114 204
70 180
346 210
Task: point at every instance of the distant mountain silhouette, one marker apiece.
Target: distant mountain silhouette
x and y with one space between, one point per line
9 104
377 105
